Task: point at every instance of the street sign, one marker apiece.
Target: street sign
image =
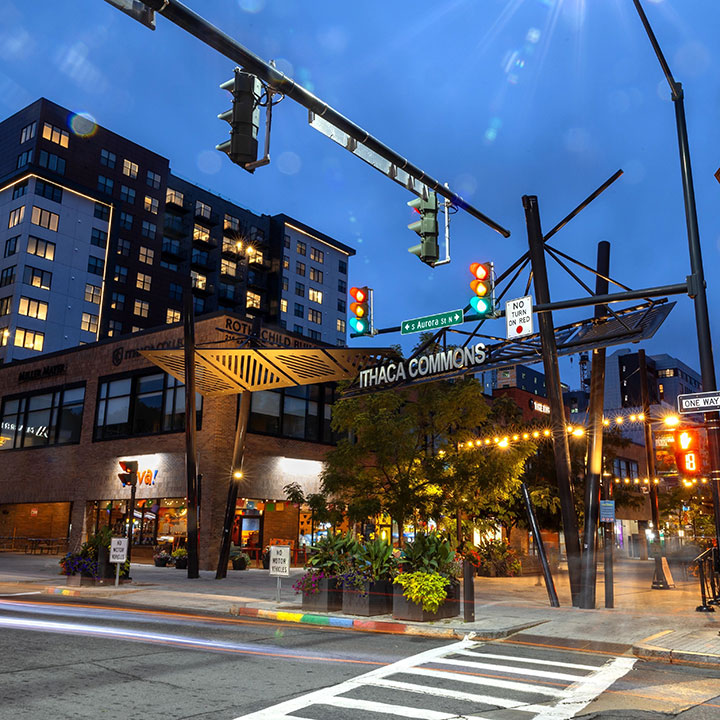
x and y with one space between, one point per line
432 322
118 550
699 402
519 317
280 560
607 511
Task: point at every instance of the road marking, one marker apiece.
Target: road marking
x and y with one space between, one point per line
35 592
562 704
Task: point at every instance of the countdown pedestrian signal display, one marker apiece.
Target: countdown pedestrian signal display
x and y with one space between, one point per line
483 289
361 308
687 452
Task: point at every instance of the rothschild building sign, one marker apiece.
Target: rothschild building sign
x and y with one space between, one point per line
423 366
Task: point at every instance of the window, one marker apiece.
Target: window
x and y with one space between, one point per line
47 417
123 247
341 305
286 262
253 300
256 257
300 248
56 135
92 293
89 323
284 283
299 310
172 316
4 335
107 158
117 301
29 339
317 255
141 405
24 158
126 221
19 190
33 308
48 190
174 196
121 274
151 204
16 216
316 275
143 281
228 267
202 209
98 238
287 241
342 266
200 233
130 168
5 305
300 268
127 194
52 162
199 305
231 246
315 295
102 211
146 255
37 278
96 266
176 291
200 257
41 248
45 218
314 334
11 246
148 230
141 308
342 286
227 291
283 305
315 316
231 223
105 185
300 289
169 266
114 328
153 179
298 329
7 276
28 132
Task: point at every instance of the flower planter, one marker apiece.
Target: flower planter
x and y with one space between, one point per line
181 563
239 563
77 580
329 598
375 598
404 609
161 562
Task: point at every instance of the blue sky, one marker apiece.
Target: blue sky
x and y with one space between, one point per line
499 98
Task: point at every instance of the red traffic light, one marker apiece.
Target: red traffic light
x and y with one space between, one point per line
480 270
359 295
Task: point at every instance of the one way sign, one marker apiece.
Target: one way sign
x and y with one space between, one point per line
699 402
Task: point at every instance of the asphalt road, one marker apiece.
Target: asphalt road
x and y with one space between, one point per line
66 660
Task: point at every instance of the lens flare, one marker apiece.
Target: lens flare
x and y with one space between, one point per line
82 124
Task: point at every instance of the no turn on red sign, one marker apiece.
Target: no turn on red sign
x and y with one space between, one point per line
519 317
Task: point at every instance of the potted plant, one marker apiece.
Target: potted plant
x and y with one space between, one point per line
239 559
426 587
180 555
80 570
497 559
368 580
321 590
161 556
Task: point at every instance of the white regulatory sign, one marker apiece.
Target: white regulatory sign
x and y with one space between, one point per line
699 402
118 550
280 560
519 317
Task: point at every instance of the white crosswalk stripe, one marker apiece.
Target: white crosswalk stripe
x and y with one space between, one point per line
537 695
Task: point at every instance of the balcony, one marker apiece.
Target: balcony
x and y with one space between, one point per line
230 250
173 249
203 289
204 240
174 226
257 280
201 261
209 219
176 205
227 299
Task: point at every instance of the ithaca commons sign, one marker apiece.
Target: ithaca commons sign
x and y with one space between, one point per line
423 366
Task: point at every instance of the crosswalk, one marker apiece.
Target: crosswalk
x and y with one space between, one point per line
462 681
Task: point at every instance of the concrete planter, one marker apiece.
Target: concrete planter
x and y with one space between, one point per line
78 580
375 598
328 599
403 609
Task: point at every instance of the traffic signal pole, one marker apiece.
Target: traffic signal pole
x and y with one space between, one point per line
561 449
190 439
696 281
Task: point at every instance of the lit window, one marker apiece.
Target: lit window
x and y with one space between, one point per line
29 339
317 255
198 281
45 218
151 204
28 132
253 300
314 316
114 328
5 305
286 262
33 308
37 278
16 216
315 295
130 168
340 325
56 135
300 248
200 233
89 323
141 308
92 293
316 275
146 255
4 335
283 305
202 209
174 196
143 281
231 223
117 301
228 267
173 316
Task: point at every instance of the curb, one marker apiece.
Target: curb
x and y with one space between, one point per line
675 657
384 626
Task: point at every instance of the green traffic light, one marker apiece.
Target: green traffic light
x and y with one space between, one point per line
359 325
480 305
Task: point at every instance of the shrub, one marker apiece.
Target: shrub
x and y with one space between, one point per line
429 553
497 559
180 552
428 589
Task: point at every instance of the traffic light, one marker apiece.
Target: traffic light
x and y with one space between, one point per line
427 228
129 474
244 118
687 452
483 288
361 308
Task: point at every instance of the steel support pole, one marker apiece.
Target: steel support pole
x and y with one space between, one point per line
235 479
190 439
131 518
554 393
608 551
593 474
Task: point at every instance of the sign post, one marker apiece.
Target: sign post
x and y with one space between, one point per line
118 554
279 565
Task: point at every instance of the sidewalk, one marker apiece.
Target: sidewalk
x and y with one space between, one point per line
654 624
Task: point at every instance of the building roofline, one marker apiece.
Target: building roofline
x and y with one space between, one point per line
288 220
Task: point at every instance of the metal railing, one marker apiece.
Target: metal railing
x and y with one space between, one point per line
708 570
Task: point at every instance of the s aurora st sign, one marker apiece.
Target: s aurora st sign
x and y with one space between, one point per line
423 366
